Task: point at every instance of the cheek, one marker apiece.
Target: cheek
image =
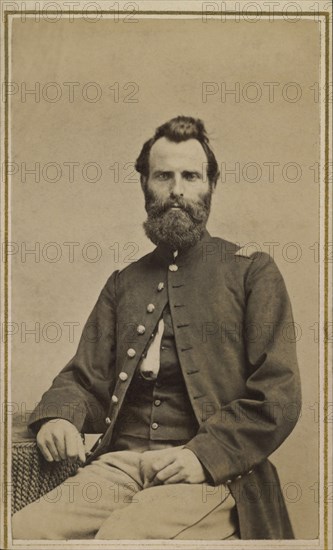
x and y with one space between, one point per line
196 192
159 190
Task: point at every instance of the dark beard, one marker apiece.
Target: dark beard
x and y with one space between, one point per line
178 229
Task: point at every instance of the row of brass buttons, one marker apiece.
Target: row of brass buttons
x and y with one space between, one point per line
123 376
157 402
141 329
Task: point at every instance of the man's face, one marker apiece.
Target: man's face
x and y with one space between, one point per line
177 193
178 169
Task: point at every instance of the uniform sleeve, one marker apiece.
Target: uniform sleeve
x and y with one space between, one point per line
247 430
80 392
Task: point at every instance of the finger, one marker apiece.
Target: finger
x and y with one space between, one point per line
150 479
45 452
178 478
71 445
162 462
59 444
147 477
168 472
153 482
53 450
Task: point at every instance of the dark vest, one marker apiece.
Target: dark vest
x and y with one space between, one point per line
158 410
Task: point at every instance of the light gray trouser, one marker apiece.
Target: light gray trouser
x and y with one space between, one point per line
106 500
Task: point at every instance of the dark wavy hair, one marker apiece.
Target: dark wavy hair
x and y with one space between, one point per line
180 128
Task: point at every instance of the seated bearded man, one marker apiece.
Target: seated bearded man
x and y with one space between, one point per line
189 395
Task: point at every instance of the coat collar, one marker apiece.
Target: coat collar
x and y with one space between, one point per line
164 254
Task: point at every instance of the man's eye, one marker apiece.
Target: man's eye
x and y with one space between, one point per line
191 176
164 176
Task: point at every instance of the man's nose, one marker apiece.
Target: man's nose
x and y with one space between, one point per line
177 186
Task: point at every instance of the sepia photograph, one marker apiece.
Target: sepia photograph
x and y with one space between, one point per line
166 258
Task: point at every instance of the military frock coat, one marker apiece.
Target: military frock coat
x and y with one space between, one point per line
235 339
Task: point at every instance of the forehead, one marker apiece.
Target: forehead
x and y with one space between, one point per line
168 155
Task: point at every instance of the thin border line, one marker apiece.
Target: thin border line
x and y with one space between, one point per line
6 308
172 12
324 14
326 274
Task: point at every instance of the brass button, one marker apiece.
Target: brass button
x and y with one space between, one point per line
154 425
123 376
150 308
131 352
108 420
239 477
229 481
160 287
141 329
157 402
114 399
173 267
250 471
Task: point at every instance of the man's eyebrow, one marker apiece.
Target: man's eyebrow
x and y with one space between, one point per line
195 172
188 171
158 172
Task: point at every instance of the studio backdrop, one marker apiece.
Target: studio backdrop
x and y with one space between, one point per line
85 96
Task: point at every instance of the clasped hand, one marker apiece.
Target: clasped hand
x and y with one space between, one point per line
171 465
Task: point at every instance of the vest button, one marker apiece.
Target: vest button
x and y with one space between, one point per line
154 425
108 421
140 329
157 402
160 287
131 352
150 308
173 267
114 399
123 376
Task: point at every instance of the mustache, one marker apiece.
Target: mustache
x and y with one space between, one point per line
156 207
